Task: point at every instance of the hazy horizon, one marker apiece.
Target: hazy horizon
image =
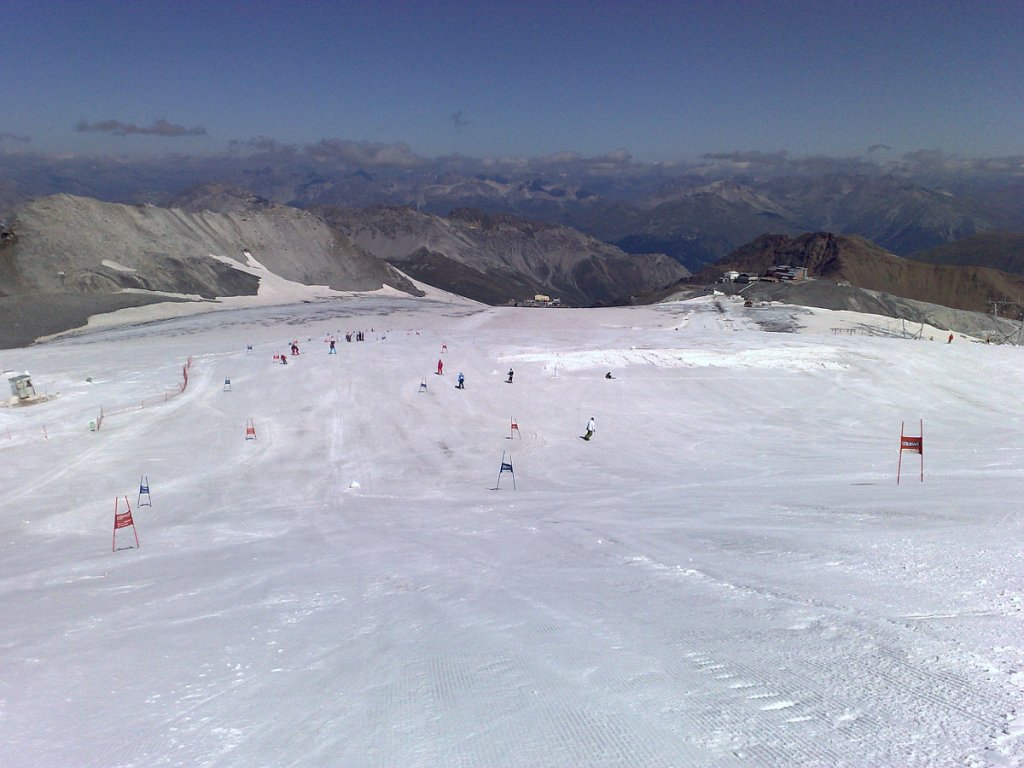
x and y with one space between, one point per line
478 80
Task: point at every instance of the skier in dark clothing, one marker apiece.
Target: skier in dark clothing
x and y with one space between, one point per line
510 374
462 381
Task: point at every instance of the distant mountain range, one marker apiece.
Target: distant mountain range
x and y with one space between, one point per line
495 258
999 250
695 213
498 258
64 257
693 221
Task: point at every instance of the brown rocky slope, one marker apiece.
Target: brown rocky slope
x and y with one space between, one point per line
861 263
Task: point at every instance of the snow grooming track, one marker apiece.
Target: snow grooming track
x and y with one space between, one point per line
754 713
885 690
564 729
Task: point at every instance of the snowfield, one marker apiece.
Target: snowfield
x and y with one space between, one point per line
727 574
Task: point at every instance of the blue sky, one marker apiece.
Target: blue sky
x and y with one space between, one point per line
664 81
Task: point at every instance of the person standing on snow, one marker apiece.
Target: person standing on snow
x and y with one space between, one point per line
590 429
510 374
462 381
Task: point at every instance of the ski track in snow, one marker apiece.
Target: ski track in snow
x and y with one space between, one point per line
726 575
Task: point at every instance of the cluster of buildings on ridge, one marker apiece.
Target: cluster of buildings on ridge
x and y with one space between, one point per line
538 300
774 274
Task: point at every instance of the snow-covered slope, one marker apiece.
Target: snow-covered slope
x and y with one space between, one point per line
726 575
68 258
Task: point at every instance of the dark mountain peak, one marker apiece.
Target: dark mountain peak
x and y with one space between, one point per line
380 208
470 216
996 249
861 263
820 252
219 197
487 221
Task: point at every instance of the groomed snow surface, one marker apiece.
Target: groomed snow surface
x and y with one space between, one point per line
727 574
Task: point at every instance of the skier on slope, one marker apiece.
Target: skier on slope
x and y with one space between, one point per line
590 429
462 381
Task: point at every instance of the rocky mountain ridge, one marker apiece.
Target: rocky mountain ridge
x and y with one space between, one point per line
68 257
694 212
860 263
63 258
999 250
497 258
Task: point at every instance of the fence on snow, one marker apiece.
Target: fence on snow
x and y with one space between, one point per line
10 437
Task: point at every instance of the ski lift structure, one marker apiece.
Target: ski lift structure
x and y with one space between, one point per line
1014 337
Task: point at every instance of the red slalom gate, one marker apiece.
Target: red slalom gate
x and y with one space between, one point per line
123 520
514 429
913 445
